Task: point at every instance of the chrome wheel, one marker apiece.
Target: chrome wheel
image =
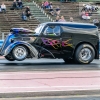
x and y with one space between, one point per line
20 53
85 54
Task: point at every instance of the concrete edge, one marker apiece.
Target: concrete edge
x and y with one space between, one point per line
51 93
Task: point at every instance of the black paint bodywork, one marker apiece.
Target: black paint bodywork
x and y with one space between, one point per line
63 45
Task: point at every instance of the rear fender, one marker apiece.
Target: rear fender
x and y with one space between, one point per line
29 46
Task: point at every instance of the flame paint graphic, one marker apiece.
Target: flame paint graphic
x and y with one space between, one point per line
56 43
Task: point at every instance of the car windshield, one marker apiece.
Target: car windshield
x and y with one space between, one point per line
38 29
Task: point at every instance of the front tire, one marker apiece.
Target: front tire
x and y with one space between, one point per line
84 54
9 57
20 52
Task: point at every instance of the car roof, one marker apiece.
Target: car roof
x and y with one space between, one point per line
73 24
68 23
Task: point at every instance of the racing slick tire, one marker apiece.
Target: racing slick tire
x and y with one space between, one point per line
20 52
84 54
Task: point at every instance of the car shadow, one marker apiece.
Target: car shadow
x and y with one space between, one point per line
42 63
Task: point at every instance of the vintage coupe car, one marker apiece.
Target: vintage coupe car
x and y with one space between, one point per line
73 42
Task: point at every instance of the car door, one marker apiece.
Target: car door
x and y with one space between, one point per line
67 41
51 40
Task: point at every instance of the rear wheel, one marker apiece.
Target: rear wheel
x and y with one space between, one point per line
20 52
84 54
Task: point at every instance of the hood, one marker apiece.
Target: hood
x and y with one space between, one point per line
21 31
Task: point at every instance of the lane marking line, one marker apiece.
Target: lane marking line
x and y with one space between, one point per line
60 72
88 86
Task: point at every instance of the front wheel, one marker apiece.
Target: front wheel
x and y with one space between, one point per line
20 52
84 54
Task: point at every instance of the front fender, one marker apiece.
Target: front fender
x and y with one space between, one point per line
29 46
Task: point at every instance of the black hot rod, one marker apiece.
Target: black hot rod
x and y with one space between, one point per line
73 42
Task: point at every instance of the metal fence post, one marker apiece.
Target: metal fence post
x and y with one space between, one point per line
2 36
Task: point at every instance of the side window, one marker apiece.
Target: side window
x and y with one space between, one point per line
48 30
52 30
56 30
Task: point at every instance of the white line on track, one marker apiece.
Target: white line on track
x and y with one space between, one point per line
86 86
58 72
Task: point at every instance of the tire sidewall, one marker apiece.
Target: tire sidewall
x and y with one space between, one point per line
9 59
77 54
13 52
